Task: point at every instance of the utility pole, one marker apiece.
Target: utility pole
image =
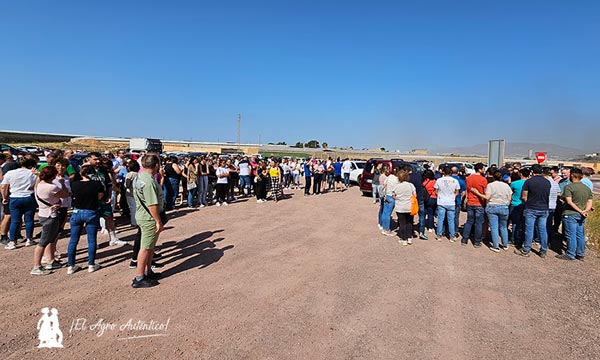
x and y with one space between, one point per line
258 139
239 130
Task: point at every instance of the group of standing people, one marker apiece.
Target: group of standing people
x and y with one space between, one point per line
56 187
535 202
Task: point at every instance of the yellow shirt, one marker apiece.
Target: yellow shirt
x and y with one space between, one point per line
274 172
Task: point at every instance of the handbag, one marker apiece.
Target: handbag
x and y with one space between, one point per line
414 205
191 186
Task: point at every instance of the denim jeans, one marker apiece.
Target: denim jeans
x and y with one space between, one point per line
444 211
537 219
172 192
21 207
549 227
516 219
498 218
573 227
421 217
386 214
456 218
191 194
475 216
202 190
376 192
91 220
245 183
429 212
347 179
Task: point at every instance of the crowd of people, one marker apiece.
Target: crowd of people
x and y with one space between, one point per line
534 202
142 188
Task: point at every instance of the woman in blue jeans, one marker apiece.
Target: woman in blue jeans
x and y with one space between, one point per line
388 181
19 184
498 195
86 196
171 183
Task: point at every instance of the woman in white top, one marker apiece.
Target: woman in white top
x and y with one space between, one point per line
222 183
498 195
19 183
402 193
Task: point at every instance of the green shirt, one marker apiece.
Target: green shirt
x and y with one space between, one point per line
147 191
579 194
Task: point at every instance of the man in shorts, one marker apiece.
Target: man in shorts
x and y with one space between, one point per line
149 200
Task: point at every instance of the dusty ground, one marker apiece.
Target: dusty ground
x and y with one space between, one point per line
308 278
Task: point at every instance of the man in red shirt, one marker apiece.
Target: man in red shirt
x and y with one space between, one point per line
475 206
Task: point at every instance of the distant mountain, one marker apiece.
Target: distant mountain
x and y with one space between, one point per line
516 150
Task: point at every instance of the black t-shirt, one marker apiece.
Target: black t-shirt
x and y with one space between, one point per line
538 193
85 194
170 172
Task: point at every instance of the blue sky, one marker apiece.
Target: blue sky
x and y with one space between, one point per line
398 74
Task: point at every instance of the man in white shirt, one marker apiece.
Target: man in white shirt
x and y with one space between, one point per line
346 169
446 189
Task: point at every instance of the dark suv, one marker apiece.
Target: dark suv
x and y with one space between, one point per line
367 176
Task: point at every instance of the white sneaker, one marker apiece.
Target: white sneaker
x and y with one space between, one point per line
258 201
73 269
403 242
10 246
225 203
218 204
117 242
409 241
30 242
201 206
92 268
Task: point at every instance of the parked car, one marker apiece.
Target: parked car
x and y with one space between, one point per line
367 176
466 167
357 170
31 149
13 151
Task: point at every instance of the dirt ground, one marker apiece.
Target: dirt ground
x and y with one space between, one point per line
306 278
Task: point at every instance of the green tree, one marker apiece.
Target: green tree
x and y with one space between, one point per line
313 144
281 143
299 144
325 145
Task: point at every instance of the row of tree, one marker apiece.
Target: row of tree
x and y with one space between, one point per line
313 144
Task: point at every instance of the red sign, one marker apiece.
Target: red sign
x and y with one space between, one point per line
540 157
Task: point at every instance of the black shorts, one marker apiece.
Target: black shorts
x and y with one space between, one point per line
6 208
338 178
50 229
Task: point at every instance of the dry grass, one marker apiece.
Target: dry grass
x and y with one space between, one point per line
593 226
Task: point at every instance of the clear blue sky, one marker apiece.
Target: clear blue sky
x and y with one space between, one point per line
398 74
